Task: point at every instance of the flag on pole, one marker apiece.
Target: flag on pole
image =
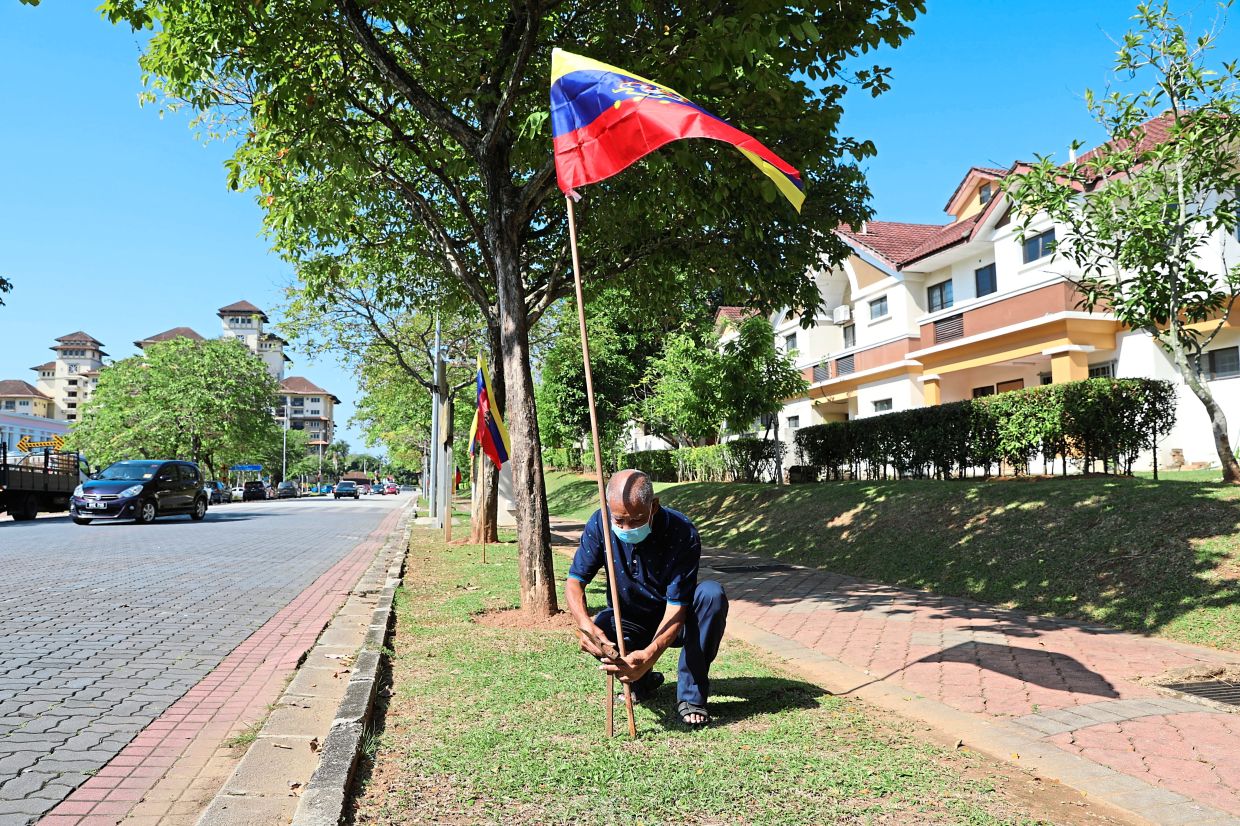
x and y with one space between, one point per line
488 428
603 119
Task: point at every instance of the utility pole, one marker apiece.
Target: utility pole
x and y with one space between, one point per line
433 491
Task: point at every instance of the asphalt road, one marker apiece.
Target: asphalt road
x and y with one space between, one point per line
102 627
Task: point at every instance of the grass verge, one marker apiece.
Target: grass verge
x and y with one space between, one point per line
1159 557
504 725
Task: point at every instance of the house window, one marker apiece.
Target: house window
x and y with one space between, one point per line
940 296
794 422
987 390
878 307
850 336
1102 371
10 405
882 405
986 193
73 382
1044 378
23 404
73 368
985 280
790 342
315 400
1039 246
1223 363
1014 384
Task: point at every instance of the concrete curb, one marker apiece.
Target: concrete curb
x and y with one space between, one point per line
325 797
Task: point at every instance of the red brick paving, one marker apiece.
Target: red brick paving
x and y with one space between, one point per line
185 737
1003 664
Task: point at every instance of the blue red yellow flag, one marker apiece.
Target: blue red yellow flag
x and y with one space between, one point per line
603 119
488 428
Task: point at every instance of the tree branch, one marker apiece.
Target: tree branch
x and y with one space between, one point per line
391 70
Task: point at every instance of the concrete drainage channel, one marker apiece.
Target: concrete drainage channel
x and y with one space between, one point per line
300 767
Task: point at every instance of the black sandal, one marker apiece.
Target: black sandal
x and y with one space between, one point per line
685 708
655 682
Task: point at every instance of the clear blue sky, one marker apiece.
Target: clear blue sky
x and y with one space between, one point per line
119 223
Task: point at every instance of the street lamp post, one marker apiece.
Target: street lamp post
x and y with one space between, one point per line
284 465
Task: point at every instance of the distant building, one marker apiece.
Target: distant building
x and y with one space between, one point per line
168 335
309 408
66 382
244 321
17 396
16 426
70 379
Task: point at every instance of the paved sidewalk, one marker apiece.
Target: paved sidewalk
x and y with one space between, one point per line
170 771
1053 695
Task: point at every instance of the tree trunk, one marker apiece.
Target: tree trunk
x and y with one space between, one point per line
1218 420
538 591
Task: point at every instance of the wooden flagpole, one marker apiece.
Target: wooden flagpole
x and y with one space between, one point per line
602 489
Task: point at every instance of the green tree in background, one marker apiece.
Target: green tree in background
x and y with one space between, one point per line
209 402
438 119
1138 215
682 400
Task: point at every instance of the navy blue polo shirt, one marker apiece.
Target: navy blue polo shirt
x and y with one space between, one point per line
660 570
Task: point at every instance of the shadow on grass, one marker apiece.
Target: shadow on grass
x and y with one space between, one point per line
1132 553
738 699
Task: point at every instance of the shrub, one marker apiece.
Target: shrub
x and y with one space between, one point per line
1097 420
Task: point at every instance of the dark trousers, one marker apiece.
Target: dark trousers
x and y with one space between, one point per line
698 640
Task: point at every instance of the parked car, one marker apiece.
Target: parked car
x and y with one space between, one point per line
392 488
254 491
238 493
218 493
141 490
347 489
364 489
288 490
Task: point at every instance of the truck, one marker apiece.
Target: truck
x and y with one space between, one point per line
37 482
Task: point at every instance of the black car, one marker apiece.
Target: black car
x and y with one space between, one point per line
254 491
288 490
347 489
140 490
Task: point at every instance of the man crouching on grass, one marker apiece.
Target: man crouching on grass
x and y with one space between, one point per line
662 604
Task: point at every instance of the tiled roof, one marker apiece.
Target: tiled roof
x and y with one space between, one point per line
169 335
1153 132
297 384
946 236
733 313
893 240
51 365
240 307
17 387
79 336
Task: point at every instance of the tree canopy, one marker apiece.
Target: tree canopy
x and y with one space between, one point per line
423 130
1143 218
207 401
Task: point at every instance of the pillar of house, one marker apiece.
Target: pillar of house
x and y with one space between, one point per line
933 390
1069 363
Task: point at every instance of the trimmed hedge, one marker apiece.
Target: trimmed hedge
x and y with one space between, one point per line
1096 422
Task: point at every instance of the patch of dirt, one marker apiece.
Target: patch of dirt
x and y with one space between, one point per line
1195 674
519 618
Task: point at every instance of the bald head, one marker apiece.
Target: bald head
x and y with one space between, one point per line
630 498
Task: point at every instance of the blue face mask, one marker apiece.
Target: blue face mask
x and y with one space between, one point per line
632 535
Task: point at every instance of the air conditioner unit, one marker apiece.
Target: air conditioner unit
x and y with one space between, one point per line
841 314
